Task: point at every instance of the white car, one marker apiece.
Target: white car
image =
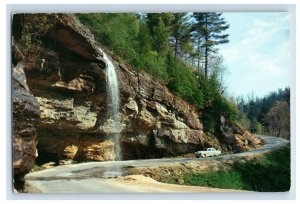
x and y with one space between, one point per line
207 152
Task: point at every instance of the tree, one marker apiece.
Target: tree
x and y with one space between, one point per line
278 119
196 35
143 46
216 104
158 27
180 32
160 37
257 108
207 31
143 39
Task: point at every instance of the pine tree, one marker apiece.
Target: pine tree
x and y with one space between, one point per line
158 25
143 39
160 36
207 31
180 32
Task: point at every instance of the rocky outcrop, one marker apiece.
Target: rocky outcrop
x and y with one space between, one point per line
25 117
66 74
235 138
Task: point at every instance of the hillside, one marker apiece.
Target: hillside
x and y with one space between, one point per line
61 103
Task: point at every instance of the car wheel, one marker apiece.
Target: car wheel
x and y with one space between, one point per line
197 156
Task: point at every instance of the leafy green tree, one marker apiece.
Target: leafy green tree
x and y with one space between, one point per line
152 20
278 119
158 25
207 30
259 129
160 37
143 47
144 39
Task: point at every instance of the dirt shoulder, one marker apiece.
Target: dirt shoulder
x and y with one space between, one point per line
140 183
177 169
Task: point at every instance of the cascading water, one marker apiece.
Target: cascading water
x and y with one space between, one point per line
113 104
112 88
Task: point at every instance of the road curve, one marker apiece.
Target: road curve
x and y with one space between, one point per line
78 178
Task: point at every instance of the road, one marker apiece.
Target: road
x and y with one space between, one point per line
84 177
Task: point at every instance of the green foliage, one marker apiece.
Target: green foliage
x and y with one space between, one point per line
271 173
259 128
156 65
224 179
160 37
180 34
143 40
207 30
216 105
119 31
183 81
244 120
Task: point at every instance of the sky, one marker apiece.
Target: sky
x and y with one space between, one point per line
257 57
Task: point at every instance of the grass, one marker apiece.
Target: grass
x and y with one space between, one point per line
270 173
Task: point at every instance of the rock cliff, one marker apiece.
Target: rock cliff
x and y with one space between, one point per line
25 116
65 72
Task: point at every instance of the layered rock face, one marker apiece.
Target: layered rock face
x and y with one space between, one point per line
25 116
235 138
66 74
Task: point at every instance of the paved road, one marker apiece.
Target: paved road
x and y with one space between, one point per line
79 177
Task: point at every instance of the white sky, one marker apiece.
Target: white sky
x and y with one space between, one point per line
258 54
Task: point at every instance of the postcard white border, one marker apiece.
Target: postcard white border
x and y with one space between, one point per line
67 8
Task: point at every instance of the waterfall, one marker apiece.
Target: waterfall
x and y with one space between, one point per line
113 103
112 88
